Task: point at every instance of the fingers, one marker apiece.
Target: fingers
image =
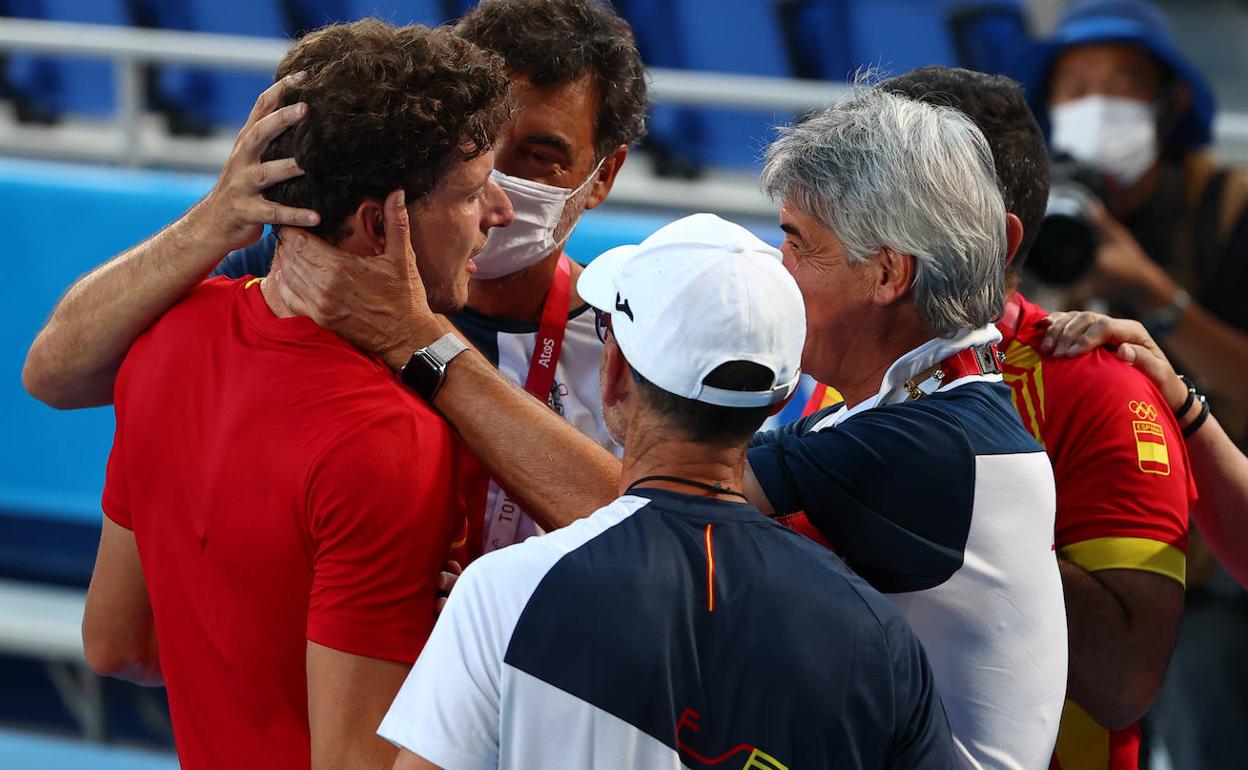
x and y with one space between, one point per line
1054 325
1124 330
446 581
1129 353
1083 333
255 140
269 213
270 97
1157 368
1071 334
265 211
398 231
292 289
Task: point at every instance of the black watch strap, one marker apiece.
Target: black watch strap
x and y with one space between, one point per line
425 371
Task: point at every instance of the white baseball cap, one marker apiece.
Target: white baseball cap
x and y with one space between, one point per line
699 293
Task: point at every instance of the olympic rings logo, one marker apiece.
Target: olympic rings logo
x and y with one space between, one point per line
1143 410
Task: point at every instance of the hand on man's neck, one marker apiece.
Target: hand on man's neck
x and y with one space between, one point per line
272 297
521 295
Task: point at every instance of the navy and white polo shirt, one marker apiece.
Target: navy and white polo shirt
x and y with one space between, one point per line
508 344
670 631
947 505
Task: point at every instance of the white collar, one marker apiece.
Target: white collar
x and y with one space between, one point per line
892 388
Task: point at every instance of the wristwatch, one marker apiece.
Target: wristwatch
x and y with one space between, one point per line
425 371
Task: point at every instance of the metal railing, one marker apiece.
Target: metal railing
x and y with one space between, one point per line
130 49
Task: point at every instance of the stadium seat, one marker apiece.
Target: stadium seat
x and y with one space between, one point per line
989 36
312 14
741 36
817 32
203 98
46 88
899 35
895 36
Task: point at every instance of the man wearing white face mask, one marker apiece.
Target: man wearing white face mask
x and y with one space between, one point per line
1118 96
577 107
1114 92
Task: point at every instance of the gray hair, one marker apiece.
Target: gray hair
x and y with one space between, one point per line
882 170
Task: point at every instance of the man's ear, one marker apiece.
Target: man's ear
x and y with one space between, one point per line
616 377
1013 235
605 178
894 275
365 229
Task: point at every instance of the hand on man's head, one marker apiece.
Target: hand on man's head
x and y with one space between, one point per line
236 210
376 303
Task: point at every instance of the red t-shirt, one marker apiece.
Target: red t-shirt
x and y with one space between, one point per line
1123 485
282 488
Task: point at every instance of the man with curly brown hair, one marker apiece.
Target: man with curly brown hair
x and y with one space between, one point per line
579 102
283 599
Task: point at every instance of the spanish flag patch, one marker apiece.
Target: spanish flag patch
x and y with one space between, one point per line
1150 439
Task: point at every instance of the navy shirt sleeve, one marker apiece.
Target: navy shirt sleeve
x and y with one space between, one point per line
798 427
922 738
891 489
254 260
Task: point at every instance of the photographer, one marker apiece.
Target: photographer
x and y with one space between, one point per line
1113 92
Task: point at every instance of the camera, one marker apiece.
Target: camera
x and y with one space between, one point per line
1065 246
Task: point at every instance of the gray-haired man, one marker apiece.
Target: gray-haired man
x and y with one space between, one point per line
926 481
923 479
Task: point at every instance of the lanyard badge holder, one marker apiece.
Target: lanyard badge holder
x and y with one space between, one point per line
980 359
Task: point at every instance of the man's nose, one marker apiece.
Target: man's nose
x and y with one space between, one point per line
500 212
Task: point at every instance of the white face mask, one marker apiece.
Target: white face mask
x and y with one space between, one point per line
1116 136
532 236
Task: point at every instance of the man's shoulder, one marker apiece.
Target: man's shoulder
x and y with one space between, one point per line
974 418
197 316
1094 382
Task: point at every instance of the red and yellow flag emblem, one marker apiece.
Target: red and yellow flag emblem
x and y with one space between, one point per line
1150 439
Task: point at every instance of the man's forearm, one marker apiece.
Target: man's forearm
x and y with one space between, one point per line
558 473
1221 474
1118 655
75 358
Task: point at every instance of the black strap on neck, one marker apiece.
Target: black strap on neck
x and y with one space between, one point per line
717 488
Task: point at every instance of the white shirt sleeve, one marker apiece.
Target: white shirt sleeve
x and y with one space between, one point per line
448 709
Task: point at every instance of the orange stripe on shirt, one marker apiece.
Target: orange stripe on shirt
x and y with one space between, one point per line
710 571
